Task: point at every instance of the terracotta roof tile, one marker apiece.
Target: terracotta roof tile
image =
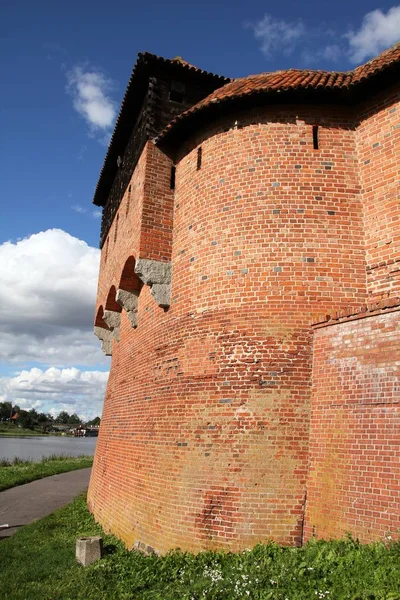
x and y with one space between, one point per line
292 79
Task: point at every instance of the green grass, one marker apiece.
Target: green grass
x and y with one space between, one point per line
17 472
39 563
11 430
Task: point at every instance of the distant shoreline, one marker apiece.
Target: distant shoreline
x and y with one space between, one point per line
27 433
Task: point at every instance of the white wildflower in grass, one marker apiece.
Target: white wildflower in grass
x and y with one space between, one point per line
213 573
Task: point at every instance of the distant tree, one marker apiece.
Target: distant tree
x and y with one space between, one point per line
45 421
5 410
34 415
74 420
42 418
95 422
26 419
62 418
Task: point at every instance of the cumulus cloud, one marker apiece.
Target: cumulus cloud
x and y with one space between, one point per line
66 347
277 34
377 32
53 390
90 91
47 299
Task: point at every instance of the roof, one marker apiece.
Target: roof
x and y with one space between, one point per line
137 87
286 81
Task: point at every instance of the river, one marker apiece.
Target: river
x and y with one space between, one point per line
35 448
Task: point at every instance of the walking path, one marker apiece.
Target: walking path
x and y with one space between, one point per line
24 504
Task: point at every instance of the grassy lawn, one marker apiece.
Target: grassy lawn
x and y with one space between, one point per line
13 431
16 472
39 563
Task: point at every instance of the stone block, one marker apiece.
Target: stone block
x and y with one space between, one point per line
153 271
162 294
89 549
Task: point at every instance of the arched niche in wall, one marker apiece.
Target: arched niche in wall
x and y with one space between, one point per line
112 313
128 291
103 332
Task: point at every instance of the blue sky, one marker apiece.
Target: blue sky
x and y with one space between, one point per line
64 69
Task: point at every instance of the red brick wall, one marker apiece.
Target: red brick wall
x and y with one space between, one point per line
204 436
378 143
158 201
355 429
142 227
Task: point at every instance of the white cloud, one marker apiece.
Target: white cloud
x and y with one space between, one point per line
54 390
47 300
96 214
63 347
377 32
313 45
90 91
332 52
312 57
79 209
277 34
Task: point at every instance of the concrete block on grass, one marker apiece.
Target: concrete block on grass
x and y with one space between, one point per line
89 549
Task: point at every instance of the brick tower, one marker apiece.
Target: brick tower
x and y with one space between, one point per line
237 215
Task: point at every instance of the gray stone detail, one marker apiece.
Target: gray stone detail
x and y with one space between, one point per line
153 271
106 337
89 549
129 302
161 293
113 319
157 275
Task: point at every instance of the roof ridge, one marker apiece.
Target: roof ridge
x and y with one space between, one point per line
292 79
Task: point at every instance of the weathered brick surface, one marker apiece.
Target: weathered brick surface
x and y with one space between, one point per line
224 423
378 143
355 429
204 436
142 227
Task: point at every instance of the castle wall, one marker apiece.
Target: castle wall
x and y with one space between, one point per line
355 428
142 226
204 435
378 143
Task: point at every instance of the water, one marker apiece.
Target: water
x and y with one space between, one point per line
35 448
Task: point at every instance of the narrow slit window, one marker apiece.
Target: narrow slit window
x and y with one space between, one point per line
128 200
172 180
106 252
199 157
315 137
116 229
